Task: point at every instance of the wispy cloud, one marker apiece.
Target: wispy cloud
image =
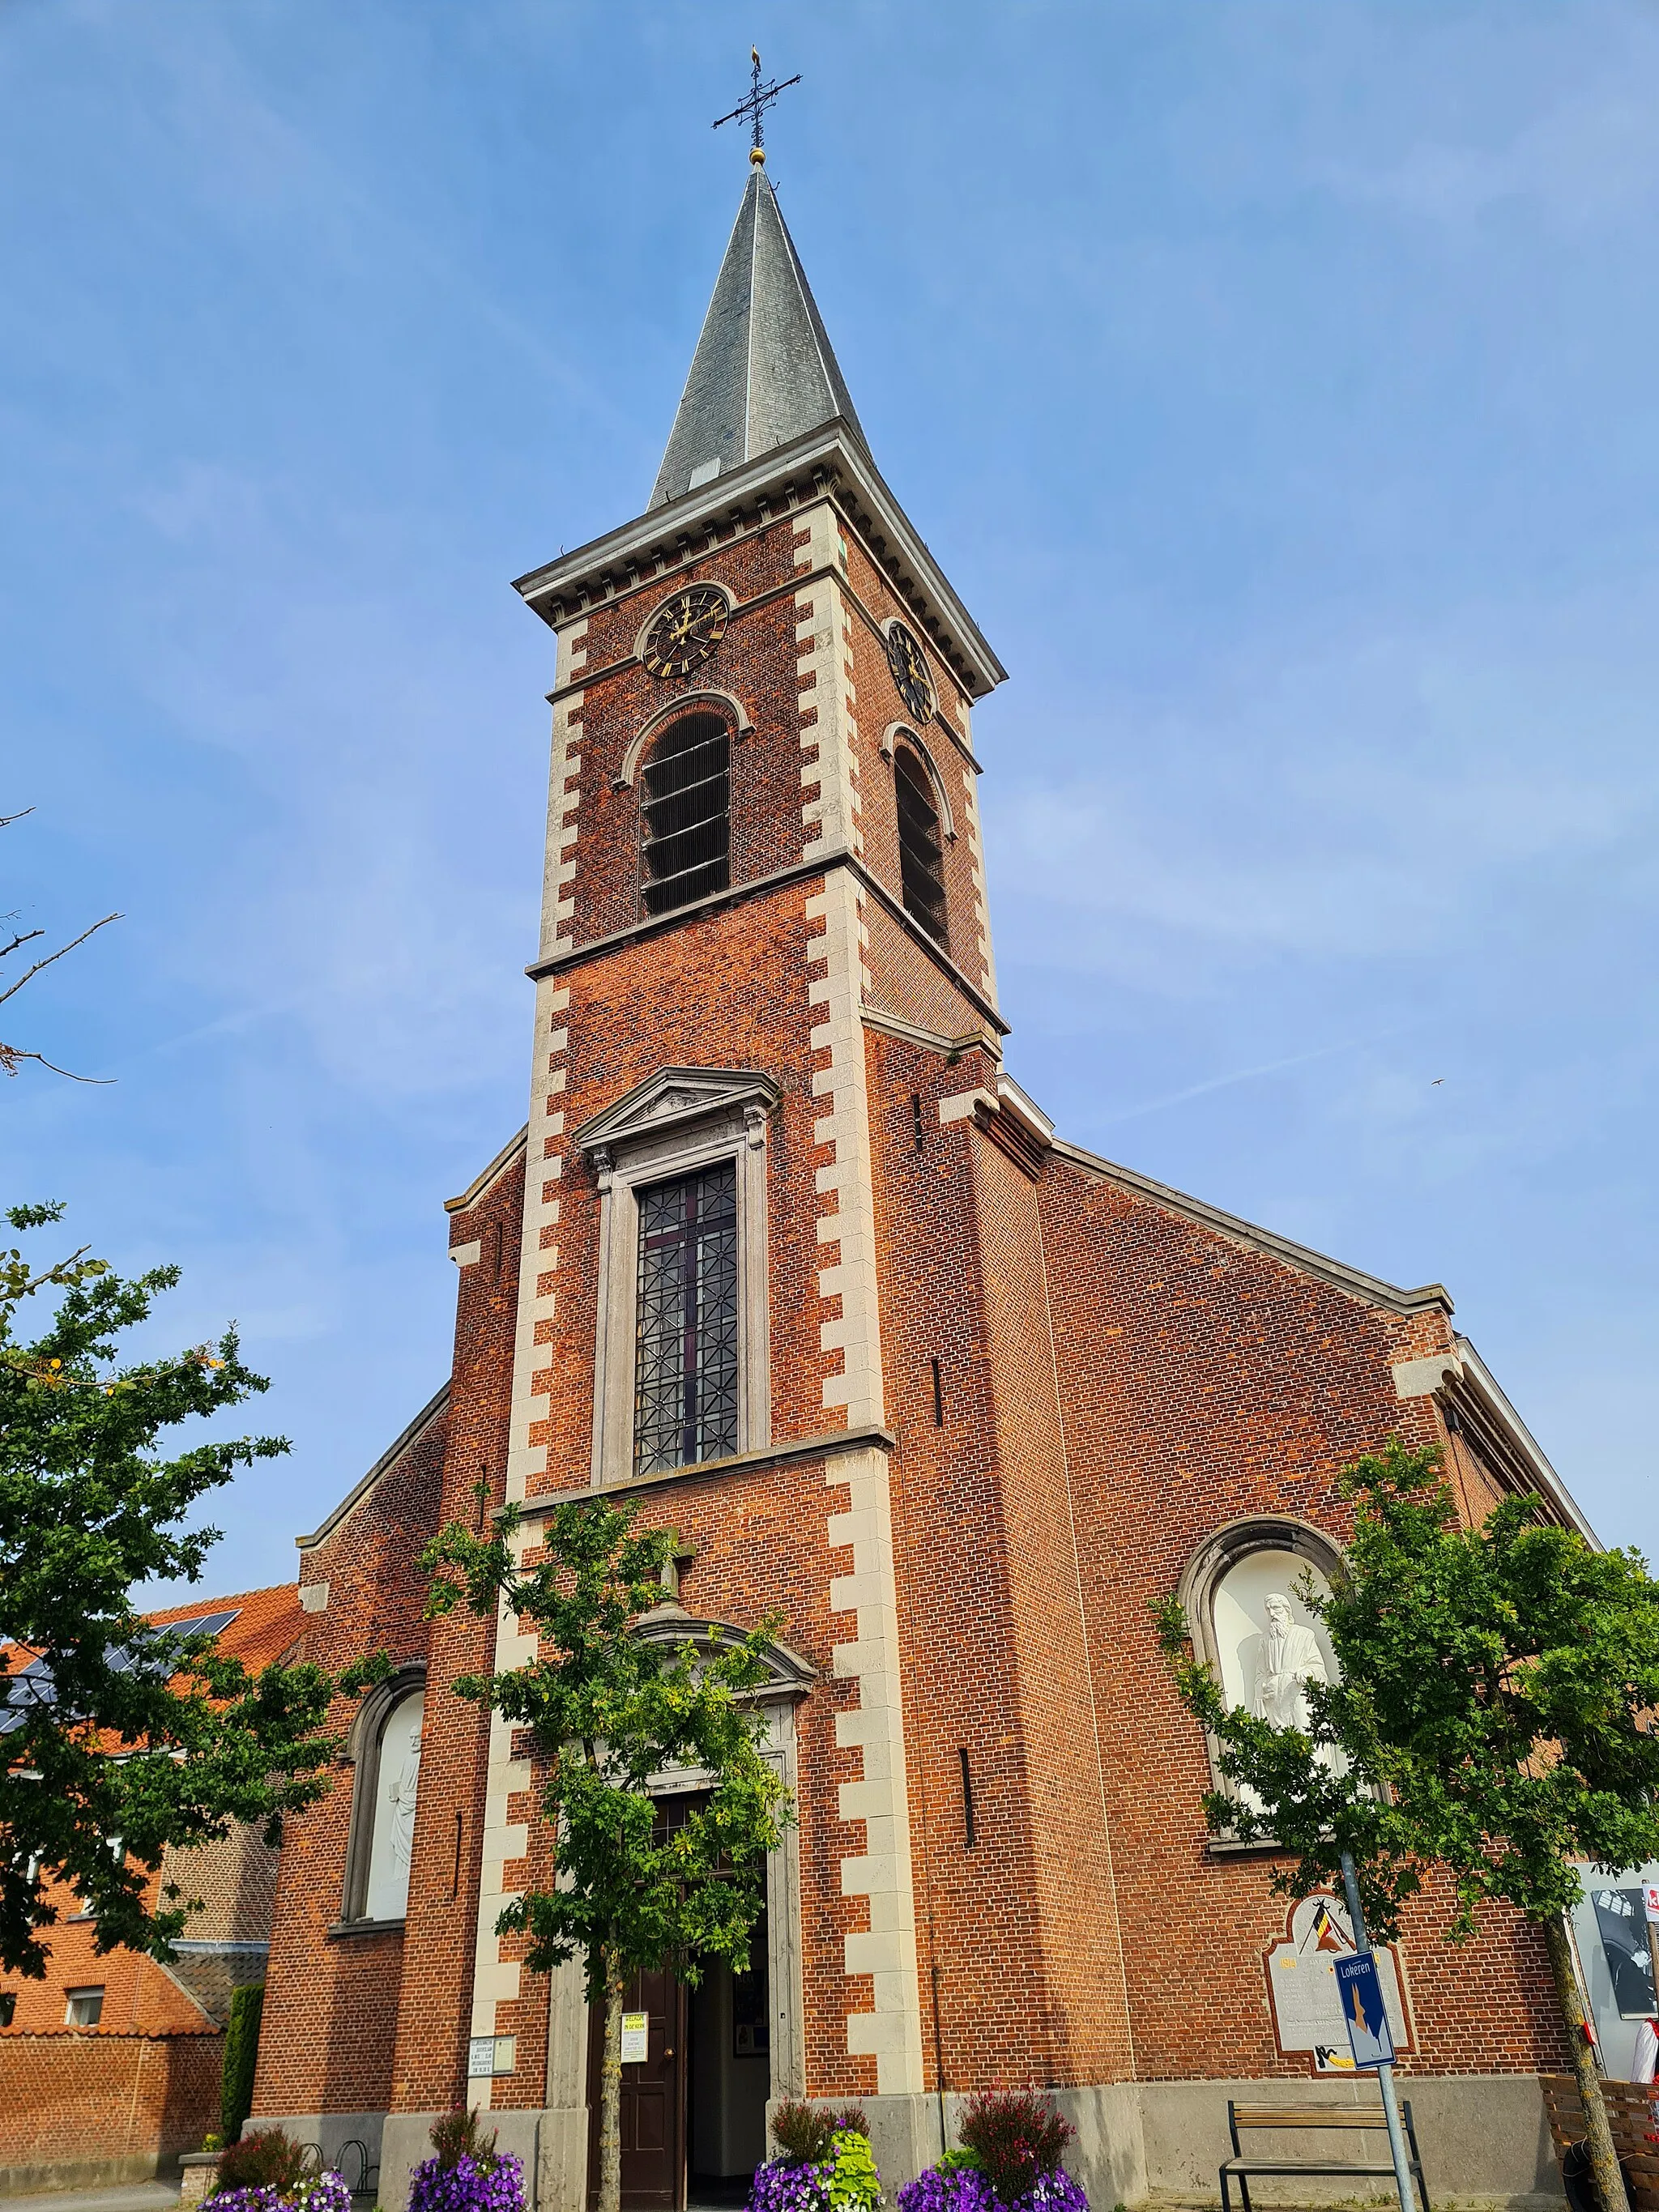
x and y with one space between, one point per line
1241 1075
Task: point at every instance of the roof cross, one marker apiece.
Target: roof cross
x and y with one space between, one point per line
760 97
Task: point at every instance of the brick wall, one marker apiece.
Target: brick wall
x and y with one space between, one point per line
330 2014
80 2110
1204 1381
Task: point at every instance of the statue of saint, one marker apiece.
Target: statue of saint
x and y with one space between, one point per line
1279 1664
400 1802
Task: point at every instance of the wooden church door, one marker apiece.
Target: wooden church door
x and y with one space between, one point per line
653 2100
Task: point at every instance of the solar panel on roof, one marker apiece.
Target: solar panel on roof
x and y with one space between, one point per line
32 1686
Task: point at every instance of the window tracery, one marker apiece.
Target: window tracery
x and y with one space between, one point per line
686 1356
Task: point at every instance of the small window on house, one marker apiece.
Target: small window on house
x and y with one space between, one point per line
685 814
921 846
396 1784
7 2006
685 1372
85 2007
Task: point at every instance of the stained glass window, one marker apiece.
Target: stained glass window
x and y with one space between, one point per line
685 1389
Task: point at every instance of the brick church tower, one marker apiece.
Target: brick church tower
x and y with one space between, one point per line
785 1256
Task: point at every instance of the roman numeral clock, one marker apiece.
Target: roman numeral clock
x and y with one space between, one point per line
685 631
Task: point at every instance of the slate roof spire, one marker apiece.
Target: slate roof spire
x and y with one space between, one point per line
763 372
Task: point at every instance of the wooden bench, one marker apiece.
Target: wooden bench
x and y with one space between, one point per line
1343 2119
1630 2117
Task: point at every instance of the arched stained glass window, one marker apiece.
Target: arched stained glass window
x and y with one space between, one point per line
685 814
921 846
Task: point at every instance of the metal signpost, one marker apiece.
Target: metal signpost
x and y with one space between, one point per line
1369 2034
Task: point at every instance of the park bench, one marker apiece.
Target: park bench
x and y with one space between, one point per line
1338 2119
1630 2117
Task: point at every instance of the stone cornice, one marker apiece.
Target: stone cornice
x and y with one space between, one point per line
827 1445
803 870
828 463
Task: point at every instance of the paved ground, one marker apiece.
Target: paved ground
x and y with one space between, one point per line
131 2196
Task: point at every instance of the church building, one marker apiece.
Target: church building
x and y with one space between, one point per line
786 1257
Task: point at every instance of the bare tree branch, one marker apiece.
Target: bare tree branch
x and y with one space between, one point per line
6 820
47 962
25 937
11 1054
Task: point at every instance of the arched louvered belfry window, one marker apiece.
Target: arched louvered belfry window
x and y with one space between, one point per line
685 814
921 846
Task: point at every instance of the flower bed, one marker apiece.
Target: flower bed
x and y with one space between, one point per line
466 2173
267 2172
1009 2162
968 2188
825 2164
323 2192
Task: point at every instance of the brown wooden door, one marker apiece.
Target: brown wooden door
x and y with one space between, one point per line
652 2100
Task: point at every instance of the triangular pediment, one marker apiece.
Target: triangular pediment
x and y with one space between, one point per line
674 1097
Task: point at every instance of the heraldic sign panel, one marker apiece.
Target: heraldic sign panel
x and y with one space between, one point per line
1303 1992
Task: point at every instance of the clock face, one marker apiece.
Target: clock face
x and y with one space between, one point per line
909 666
684 630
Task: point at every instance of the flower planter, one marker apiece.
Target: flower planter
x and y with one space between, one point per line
326 2192
493 2182
967 2189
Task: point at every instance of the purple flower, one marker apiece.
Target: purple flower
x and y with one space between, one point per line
493 2184
781 2186
326 2193
967 2189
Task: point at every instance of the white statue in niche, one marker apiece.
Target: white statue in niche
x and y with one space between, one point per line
393 1845
1281 1662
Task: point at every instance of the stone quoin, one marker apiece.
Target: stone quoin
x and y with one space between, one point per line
952 1396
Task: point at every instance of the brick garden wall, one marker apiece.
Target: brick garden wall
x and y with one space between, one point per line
80 2110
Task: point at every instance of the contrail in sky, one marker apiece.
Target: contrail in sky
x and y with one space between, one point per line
1245 1074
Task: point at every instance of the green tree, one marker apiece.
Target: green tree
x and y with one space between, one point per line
1492 1723
241 2058
608 1709
116 1740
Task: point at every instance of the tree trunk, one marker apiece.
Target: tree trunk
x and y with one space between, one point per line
611 2089
1604 2159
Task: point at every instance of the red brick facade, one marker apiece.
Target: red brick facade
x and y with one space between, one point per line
1011 1393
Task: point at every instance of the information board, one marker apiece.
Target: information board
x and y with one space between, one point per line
637 2037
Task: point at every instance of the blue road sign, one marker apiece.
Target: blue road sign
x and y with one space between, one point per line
1370 2037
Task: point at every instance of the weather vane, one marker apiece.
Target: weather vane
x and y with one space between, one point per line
760 97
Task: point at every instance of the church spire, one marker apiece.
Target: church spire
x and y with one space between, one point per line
763 372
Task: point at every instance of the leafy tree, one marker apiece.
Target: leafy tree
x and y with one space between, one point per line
610 1709
118 1740
241 2058
1492 1723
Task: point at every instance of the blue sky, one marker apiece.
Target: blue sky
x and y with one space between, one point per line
1275 379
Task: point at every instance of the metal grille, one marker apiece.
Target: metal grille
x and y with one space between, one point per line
921 849
685 816
685 1390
